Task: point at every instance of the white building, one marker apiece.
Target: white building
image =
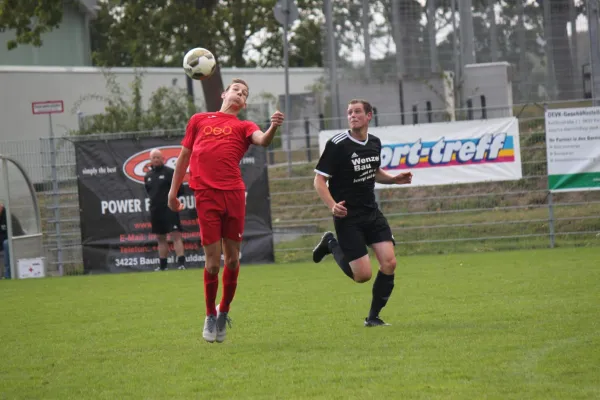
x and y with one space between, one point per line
67 45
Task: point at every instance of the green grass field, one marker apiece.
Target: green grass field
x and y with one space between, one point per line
506 325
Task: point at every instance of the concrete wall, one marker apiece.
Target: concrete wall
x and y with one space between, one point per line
386 98
20 86
437 90
20 130
494 81
303 107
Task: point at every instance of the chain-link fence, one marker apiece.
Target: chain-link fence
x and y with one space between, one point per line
55 181
450 52
490 216
519 214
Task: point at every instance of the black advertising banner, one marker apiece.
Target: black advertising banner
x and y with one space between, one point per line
115 210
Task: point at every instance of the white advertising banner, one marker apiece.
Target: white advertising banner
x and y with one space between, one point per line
573 149
449 152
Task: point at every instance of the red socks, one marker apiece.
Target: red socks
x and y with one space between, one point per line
230 277
211 285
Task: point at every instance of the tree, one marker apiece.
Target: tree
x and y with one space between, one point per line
530 74
307 34
159 32
153 33
305 37
30 19
156 33
168 109
560 45
212 88
412 32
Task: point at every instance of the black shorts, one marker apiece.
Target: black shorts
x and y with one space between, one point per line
164 221
355 233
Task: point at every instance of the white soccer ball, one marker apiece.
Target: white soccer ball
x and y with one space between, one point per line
199 63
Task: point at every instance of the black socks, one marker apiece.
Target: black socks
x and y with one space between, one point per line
163 263
338 255
382 289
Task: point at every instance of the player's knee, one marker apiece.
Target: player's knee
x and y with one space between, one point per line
361 269
213 262
232 262
161 239
362 279
362 276
212 268
388 265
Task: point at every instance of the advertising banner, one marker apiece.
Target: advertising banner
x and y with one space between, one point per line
573 149
115 209
449 152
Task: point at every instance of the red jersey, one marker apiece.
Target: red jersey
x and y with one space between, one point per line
218 142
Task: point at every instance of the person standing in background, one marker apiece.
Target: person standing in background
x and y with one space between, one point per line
17 230
164 221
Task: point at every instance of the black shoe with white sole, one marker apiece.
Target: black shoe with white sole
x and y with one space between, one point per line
322 249
370 322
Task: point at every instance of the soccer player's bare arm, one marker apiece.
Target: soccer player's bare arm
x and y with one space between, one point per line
323 191
387 179
183 161
336 209
264 139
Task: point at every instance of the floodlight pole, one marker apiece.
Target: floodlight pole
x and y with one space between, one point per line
593 15
286 61
55 195
9 230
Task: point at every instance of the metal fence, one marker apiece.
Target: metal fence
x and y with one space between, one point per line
549 44
425 220
55 180
493 216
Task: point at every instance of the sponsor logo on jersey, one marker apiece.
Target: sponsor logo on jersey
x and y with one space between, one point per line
208 130
362 164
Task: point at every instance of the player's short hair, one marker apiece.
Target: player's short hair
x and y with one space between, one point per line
366 105
238 80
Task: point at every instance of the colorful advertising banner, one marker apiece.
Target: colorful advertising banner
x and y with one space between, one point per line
449 152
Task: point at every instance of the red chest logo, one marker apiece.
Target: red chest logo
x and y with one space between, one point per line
217 130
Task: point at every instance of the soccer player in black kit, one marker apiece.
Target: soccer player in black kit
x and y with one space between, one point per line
164 221
345 180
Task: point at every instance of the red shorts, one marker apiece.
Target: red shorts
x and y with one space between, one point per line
221 214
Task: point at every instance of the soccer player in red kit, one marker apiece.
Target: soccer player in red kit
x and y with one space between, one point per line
213 147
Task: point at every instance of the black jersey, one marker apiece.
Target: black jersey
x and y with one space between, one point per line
351 166
158 183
